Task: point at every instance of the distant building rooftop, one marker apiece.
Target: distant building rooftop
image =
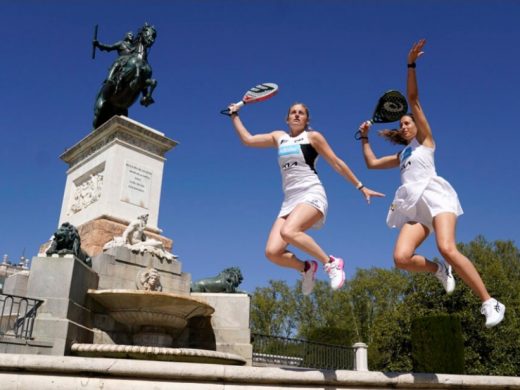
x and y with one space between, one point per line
7 268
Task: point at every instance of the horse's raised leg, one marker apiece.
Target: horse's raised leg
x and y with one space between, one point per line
152 84
147 91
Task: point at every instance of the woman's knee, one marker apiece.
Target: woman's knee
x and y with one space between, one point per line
402 259
270 253
288 234
448 250
273 253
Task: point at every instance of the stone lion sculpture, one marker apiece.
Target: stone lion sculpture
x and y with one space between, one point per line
226 281
66 241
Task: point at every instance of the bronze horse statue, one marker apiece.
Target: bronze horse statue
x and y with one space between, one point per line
129 76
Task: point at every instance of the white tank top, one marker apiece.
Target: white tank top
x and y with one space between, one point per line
297 159
418 173
417 170
416 163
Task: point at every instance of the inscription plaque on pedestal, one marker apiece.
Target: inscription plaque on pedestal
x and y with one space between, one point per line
136 184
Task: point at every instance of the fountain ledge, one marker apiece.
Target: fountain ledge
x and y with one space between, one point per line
186 355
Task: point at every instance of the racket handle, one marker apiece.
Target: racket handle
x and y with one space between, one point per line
227 110
358 135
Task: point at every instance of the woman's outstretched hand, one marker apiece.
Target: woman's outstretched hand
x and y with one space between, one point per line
368 193
416 51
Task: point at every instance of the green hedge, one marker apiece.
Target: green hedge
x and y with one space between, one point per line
437 345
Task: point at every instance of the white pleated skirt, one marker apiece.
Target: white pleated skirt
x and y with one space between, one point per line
421 202
314 195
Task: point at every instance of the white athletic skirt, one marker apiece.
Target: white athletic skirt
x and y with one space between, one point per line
421 202
314 195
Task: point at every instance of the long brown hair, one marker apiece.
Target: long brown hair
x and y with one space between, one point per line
394 135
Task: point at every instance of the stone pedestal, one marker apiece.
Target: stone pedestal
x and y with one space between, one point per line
118 268
115 174
228 329
64 317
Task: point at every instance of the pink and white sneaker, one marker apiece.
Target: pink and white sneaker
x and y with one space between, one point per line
334 268
309 277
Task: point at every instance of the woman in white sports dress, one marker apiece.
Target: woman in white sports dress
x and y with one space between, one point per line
305 201
425 202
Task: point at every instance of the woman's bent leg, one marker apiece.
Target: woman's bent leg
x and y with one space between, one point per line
302 218
411 236
276 249
444 226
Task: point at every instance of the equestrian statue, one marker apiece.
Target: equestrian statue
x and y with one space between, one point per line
129 75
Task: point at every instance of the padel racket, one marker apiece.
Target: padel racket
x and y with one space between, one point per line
256 94
390 108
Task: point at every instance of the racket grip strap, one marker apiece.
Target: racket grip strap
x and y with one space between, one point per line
225 112
358 136
228 112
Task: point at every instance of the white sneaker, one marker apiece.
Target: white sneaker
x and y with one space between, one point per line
335 271
445 276
309 277
494 312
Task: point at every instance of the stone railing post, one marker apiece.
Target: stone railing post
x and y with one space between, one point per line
361 357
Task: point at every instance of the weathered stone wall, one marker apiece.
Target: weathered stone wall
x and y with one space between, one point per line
22 372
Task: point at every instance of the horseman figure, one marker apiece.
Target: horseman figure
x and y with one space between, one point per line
129 75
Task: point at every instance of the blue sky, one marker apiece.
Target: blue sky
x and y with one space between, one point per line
220 198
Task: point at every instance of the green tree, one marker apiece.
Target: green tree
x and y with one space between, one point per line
375 292
487 351
326 316
273 310
378 306
437 344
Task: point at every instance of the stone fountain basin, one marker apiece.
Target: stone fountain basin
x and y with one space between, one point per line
150 308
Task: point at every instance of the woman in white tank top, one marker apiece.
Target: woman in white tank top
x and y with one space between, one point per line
425 202
305 201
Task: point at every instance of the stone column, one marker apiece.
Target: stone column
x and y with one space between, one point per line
361 357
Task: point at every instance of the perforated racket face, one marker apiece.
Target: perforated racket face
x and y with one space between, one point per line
260 92
390 108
